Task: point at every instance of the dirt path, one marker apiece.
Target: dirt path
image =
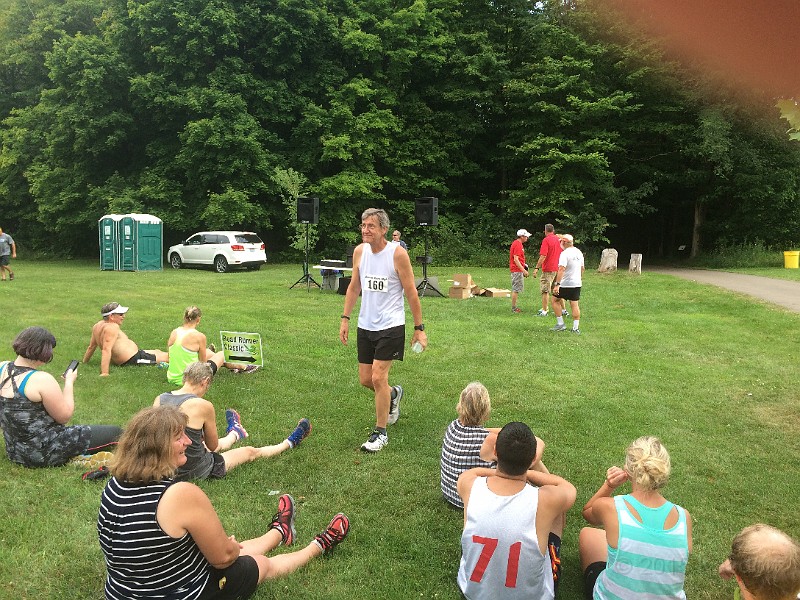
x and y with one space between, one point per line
775 291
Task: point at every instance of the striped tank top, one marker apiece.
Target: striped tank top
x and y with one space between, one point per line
649 561
142 560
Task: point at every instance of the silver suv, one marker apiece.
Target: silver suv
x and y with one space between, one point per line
220 249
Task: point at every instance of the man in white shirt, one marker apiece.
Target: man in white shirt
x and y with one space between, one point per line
567 285
382 274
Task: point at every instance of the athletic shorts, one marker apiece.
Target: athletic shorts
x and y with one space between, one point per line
590 576
554 550
218 470
517 281
573 294
387 344
546 281
239 581
139 359
5 260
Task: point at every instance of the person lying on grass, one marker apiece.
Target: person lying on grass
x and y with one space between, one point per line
115 346
468 444
34 410
210 456
163 539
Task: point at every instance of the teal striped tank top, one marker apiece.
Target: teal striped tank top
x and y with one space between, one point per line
649 562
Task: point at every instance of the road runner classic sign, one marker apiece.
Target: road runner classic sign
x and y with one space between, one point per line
242 348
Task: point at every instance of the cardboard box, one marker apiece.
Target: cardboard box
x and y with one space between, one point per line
497 293
462 280
460 293
477 290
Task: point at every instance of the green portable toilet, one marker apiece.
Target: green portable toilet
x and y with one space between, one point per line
109 242
131 242
141 246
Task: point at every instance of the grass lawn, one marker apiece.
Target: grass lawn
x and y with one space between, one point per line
716 376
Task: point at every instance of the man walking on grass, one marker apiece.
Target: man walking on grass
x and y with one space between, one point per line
382 273
518 266
568 283
8 250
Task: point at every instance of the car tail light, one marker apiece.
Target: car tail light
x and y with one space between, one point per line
263 246
237 247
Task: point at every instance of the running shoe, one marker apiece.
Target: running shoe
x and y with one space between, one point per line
516 309
283 520
542 313
337 530
376 442
235 423
559 328
300 433
394 405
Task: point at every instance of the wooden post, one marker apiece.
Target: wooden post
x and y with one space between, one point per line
608 261
636 264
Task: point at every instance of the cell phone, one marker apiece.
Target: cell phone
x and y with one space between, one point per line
73 366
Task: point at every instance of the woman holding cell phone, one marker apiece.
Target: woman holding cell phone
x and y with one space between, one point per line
34 410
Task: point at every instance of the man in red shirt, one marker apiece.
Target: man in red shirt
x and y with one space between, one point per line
548 263
518 266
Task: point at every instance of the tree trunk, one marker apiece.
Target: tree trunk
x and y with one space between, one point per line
699 216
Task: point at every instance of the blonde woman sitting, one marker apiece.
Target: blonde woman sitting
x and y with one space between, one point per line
187 344
645 540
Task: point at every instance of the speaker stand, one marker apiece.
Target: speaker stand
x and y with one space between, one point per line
306 278
425 285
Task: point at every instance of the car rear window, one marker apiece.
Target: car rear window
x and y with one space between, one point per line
248 238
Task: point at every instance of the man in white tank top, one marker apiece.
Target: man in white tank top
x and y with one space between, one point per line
382 273
513 522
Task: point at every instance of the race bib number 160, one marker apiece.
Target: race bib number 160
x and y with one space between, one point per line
376 283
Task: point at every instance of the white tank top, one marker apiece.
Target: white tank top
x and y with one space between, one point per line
500 556
381 292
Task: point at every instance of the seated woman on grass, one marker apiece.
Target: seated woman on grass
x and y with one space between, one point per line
645 540
468 444
163 539
34 409
209 456
187 344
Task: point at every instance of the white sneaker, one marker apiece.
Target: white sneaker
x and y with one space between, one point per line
376 442
542 313
394 406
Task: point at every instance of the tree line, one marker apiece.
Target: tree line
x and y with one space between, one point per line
216 114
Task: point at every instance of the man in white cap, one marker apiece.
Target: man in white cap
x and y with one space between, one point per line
115 346
567 285
518 266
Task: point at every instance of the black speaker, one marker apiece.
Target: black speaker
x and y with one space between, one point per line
308 210
427 211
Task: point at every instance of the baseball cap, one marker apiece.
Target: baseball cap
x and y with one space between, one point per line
524 232
567 237
113 308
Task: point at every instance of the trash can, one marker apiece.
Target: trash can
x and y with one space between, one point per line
791 258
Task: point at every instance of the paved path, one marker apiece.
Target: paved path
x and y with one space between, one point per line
776 291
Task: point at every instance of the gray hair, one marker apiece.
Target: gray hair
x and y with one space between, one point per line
197 372
383 218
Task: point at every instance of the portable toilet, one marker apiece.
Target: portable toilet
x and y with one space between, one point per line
141 247
131 242
109 242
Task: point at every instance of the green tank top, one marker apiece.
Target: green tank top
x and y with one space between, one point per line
179 359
